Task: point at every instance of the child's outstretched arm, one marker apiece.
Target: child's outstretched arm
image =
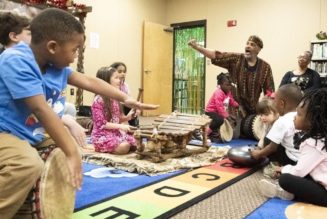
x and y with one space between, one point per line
266 151
103 88
55 128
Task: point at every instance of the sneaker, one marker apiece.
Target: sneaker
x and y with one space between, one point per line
215 137
270 190
269 171
197 135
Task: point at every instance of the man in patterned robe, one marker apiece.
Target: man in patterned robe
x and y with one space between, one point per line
250 74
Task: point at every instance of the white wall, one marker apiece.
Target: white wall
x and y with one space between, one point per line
285 26
119 24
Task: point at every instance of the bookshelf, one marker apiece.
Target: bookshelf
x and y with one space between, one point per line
319 57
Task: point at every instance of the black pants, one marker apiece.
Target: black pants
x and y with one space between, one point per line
216 122
281 157
304 189
133 122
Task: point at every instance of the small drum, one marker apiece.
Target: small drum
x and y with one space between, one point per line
258 128
52 196
242 156
252 127
226 131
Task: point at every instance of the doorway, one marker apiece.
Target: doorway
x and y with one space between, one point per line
188 68
157 74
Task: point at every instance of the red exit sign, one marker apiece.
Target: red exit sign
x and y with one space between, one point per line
231 23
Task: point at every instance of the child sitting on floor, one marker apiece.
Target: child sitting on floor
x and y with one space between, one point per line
307 180
122 71
109 134
217 107
281 149
268 113
13 29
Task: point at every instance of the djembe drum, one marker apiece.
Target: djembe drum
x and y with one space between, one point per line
52 196
226 131
252 127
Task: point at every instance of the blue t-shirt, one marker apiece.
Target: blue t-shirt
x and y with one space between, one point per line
20 77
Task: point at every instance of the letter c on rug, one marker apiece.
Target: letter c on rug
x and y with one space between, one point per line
215 177
181 191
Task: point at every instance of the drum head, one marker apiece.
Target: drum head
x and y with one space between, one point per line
57 196
226 131
258 128
242 156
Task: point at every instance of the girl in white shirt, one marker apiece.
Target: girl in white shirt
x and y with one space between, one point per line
307 180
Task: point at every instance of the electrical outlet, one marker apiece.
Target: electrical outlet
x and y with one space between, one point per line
72 91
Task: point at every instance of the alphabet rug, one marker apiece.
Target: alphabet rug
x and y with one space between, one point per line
167 197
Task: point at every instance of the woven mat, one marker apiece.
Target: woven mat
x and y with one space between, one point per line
236 201
130 163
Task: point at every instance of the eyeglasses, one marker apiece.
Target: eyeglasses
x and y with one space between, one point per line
303 57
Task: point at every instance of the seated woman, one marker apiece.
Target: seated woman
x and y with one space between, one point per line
306 78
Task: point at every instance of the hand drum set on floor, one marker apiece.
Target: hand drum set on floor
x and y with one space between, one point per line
52 196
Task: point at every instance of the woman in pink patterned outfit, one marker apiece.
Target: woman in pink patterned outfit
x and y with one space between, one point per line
110 133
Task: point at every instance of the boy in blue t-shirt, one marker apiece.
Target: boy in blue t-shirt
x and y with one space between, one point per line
32 79
15 28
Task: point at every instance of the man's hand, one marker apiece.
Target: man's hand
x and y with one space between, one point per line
193 43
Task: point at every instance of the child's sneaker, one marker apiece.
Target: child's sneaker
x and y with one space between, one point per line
269 171
197 135
270 190
215 137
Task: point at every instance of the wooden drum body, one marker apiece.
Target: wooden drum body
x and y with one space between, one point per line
52 196
252 127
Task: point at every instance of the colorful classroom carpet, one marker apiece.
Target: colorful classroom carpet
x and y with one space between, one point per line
163 198
96 188
281 209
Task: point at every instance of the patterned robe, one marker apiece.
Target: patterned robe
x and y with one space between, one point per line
250 81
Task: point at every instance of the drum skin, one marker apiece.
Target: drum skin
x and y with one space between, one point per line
57 196
226 131
258 128
242 156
